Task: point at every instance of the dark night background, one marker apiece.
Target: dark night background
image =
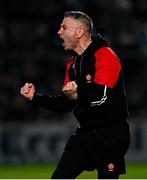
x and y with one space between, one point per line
30 50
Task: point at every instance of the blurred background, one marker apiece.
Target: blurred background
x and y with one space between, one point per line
30 51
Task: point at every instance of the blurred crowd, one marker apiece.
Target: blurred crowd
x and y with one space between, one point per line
30 50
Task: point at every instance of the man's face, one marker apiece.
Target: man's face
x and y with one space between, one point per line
69 32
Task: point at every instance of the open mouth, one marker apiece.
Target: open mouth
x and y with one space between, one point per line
62 41
63 44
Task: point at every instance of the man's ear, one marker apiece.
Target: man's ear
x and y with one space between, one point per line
80 32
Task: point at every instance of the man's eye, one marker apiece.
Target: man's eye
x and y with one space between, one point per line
64 27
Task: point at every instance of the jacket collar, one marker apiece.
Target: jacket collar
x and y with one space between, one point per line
97 43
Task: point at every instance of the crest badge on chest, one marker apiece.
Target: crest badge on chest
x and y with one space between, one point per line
88 78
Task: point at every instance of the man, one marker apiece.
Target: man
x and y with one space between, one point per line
93 88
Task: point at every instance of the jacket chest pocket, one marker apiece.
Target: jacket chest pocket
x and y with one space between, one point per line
82 71
88 71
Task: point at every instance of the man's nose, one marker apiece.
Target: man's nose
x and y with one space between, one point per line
60 32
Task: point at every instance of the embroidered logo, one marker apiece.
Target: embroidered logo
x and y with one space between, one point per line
110 167
88 78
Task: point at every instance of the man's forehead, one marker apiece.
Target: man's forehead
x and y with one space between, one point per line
70 21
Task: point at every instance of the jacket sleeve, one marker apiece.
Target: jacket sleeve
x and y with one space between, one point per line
93 94
107 72
58 103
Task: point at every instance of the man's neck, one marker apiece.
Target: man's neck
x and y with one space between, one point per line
83 44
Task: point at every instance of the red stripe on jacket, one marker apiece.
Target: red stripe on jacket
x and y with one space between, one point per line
107 67
66 80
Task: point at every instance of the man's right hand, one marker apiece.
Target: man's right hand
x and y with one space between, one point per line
28 91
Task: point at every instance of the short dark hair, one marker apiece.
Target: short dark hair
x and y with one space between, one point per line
84 18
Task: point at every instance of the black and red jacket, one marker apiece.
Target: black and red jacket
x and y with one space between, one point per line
101 96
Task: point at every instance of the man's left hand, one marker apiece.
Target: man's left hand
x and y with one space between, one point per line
70 90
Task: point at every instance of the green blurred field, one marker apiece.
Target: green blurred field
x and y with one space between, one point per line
135 171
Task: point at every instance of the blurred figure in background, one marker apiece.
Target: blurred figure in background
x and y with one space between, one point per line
93 88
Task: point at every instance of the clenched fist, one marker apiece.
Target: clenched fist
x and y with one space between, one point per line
70 90
28 91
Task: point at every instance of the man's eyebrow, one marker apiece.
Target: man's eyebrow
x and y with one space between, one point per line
63 25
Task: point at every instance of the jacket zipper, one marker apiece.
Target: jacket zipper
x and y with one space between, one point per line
80 65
